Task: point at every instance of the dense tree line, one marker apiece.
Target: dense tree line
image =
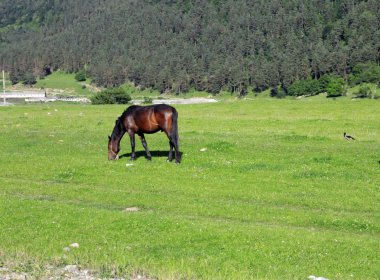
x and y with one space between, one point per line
177 45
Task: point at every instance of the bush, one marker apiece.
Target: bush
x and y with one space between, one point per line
45 72
147 100
15 77
324 82
306 87
80 76
363 92
29 79
365 73
111 96
277 92
332 84
336 87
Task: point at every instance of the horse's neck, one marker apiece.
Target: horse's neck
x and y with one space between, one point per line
117 135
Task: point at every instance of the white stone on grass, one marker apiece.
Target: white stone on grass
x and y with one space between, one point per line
74 245
312 277
131 209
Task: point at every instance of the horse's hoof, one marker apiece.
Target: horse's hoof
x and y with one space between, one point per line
132 159
149 158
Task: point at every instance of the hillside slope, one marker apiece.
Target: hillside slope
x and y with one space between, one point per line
176 45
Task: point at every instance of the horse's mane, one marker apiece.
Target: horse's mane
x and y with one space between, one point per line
127 111
119 126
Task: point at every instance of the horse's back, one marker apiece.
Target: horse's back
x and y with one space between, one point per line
163 107
149 119
163 110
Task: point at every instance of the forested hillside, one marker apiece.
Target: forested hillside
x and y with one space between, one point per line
177 45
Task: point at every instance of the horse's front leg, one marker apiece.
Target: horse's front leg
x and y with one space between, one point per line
132 138
145 145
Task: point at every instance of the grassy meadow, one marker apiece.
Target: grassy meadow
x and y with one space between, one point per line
276 193
63 83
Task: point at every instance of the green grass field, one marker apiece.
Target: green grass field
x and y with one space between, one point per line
278 193
64 84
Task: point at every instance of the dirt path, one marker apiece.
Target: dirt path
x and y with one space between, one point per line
195 100
69 272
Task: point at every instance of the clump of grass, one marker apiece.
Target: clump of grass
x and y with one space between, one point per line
147 100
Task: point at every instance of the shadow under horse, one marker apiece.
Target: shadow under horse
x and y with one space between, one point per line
142 120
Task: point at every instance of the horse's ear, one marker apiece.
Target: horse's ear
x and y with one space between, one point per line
109 137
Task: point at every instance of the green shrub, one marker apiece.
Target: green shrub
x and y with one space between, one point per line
111 96
363 92
365 73
324 82
29 79
306 87
80 76
332 84
336 87
147 100
278 92
15 77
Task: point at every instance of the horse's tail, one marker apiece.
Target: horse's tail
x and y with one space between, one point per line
175 127
175 137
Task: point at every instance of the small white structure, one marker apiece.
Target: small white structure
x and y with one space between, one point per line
33 95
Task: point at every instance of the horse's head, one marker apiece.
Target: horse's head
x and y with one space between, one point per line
113 149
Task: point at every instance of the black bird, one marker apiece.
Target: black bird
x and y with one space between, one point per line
348 137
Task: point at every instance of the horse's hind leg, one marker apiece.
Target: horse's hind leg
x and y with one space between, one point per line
173 142
170 156
176 148
171 145
143 141
174 136
171 130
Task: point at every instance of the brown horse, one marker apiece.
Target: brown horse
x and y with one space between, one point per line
145 119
